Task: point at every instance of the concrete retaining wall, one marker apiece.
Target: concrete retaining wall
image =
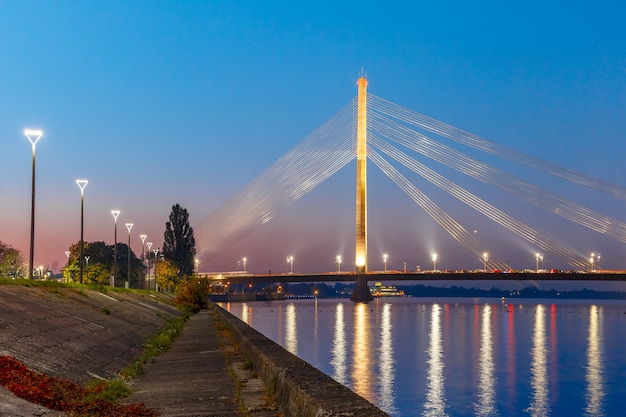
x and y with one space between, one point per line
300 389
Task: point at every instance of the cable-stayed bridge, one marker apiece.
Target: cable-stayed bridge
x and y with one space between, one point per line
399 142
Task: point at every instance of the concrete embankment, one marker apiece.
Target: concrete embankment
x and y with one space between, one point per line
300 389
80 334
76 334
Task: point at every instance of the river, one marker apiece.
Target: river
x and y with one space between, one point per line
457 356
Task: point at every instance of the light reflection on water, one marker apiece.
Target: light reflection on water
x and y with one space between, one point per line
435 396
540 405
386 365
291 334
338 361
460 357
486 379
594 375
362 355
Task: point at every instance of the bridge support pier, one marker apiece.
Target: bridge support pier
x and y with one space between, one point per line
361 292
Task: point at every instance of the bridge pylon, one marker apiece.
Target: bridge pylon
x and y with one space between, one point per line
361 290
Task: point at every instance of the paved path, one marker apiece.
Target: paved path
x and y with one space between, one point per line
190 379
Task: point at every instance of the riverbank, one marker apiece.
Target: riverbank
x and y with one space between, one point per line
76 334
81 334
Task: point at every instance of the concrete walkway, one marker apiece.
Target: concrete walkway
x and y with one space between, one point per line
192 378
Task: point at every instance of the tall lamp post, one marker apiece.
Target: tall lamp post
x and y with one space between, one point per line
538 257
245 261
128 226
33 136
385 261
81 184
149 247
290 262
434 261
67 262
115 213
485 260
156 252
143 263
338 260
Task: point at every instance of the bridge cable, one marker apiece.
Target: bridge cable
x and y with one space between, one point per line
476 169
469 139
454 228
543 242
317 157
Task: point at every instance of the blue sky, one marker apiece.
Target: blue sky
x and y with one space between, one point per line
164 102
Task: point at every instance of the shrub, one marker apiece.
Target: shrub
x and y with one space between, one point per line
192 291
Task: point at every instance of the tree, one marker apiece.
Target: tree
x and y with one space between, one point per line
179 244
98 269
167 274
11 261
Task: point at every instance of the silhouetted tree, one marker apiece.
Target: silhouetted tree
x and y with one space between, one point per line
179 245
11 261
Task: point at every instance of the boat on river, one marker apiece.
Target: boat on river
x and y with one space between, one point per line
380 290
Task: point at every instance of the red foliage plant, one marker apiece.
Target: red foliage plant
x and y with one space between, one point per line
60 394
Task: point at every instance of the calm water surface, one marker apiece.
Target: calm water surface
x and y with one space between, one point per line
460 357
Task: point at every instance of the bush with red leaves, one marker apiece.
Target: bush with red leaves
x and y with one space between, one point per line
60 394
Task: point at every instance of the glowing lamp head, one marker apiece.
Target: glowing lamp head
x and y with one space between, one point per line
82 184
33 136
360 261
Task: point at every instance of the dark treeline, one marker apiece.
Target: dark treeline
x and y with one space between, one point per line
339 290
528 292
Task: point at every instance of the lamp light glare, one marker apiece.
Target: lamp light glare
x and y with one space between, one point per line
82 184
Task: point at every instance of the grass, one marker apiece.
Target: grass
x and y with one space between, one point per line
156 344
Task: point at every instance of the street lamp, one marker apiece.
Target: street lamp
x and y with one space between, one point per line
434 261
128 226
156 252
245 260
30 134
149 247
338 260
115 213
196 262
67 262
591 260
143 263
538 257
81 184
385 261
290 262
485 260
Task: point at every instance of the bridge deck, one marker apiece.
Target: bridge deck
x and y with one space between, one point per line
419 276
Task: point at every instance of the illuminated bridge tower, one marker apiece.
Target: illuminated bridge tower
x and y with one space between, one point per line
361 290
